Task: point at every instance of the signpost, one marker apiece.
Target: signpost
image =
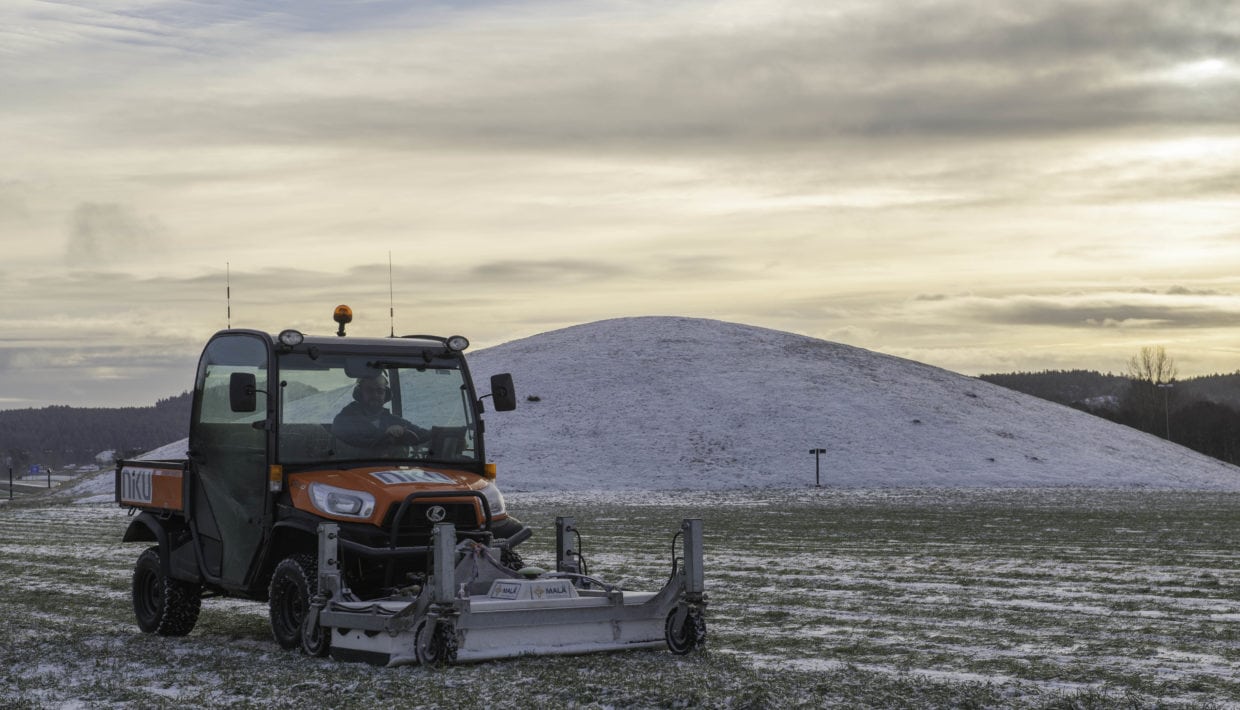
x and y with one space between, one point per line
817 478
1166 388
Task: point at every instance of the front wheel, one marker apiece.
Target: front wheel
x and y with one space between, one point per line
162 605
293 583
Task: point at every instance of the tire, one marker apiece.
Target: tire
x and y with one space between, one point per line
293 584
162 605
315 640
509 558
436 647
690 635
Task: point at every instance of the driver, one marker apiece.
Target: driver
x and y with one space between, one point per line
366 424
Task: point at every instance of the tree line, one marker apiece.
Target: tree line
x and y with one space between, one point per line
60 435
1201 413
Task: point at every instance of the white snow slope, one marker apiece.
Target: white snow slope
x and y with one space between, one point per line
682 403
685 403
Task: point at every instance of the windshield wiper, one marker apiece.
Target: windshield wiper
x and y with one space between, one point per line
389 364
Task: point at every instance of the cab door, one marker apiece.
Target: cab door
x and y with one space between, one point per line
228 455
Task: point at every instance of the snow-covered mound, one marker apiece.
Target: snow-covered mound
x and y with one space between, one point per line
663 402
683 403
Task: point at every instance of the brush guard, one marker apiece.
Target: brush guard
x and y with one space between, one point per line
473 608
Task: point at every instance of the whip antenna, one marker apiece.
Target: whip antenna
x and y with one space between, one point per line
391 298
228 291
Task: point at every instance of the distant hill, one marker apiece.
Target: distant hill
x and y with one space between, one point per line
1070 387
55 436
1202 413
1076 387
1219 389
662 402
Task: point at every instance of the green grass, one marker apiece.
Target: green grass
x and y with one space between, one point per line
1025 599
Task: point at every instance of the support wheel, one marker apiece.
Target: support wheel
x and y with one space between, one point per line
315 640
162 605
293 584
685 630
435 642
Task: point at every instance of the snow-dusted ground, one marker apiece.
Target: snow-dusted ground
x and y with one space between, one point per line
663 403
1028 598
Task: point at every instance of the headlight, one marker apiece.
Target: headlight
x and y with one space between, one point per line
342 502
495 499
291 338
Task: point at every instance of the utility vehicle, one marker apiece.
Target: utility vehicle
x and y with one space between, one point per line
386 553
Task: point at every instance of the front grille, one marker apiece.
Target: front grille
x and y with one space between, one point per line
462 515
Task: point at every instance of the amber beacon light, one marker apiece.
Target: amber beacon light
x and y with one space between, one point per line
342 315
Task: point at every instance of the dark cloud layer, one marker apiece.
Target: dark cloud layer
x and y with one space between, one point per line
1102 313
940 70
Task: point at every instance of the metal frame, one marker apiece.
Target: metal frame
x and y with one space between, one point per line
473 609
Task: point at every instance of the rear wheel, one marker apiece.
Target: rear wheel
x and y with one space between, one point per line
293 583
162 605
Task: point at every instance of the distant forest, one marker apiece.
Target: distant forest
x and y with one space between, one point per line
57 436
1202 413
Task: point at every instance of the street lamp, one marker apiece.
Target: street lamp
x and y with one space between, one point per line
1166 388
817 453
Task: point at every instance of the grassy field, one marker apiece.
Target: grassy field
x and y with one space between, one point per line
1004 599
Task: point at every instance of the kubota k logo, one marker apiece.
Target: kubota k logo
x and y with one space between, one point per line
436 513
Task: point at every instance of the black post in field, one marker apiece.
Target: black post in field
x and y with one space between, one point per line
817 477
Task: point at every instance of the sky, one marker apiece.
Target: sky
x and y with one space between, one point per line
986 187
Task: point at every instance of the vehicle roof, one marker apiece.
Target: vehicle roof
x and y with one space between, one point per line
422 341
334 342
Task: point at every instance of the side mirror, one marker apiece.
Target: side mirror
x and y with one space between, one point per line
502 393
241 392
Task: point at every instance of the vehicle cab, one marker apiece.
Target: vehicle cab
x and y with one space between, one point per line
278 443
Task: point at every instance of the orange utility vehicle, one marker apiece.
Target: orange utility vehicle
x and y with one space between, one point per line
345 482
239 515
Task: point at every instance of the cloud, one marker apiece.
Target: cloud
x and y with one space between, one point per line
1139 310
660 76
87 376
1184 291
556 270
101 234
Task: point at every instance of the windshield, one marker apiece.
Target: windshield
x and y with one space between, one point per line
338 407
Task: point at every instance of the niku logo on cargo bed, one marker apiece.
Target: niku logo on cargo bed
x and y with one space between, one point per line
136 484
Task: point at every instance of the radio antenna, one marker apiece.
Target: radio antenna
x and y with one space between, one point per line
228 290
391 297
